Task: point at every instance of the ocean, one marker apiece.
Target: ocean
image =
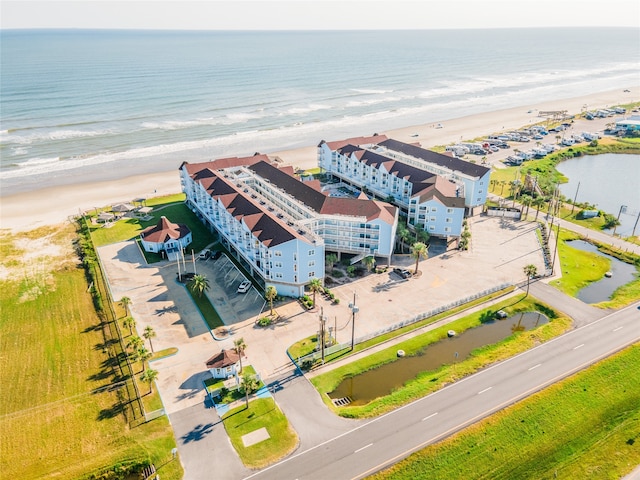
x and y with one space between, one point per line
81 105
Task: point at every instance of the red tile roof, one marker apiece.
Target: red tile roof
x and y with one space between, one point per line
224 359
164 230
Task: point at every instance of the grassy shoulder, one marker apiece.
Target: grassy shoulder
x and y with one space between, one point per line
431 381
587 426
262 413
580 268
65 413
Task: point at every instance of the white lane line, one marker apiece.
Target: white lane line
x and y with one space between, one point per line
360 449
616 329
535 366
579 346
485 390
430 416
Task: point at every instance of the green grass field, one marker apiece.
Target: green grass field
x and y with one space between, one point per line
61 414
262 413
585 427
430 381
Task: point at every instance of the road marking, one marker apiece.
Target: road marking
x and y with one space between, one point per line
535 366
432 415
360 449
616 329
485 390
579 346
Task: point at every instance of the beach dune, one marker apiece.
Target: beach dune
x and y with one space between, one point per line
48 206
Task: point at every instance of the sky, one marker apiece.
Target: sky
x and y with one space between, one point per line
316 14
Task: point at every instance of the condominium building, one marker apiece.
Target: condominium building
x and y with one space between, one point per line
278 227
428 200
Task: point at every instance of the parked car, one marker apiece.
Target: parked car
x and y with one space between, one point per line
501 314
403 272
244 287
215 255
204 254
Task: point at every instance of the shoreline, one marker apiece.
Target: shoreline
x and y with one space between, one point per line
49 206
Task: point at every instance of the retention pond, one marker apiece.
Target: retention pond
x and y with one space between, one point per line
600 291
365 387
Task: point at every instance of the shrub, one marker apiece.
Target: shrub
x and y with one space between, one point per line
265 321
337 273
351 271
336 300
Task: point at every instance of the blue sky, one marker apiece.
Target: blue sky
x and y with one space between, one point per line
316 14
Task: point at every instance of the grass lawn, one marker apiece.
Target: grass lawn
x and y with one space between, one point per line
587 427
59 416
428 382
262 413
207 310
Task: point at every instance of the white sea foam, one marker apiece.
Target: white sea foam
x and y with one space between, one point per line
370 90
45 135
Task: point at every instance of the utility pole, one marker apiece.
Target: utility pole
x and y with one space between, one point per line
322 321
354 310
633 234
623 208
575 198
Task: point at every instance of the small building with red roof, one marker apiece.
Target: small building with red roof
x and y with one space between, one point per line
167 237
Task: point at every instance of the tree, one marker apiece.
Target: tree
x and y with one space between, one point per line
315 286
149 333
270 294
369 262
135 342
331 260
129 323
198 285
418 251
125 302
249 384
530 271
239 346
403 235
538 202
141 354
149 376
526 201
502 184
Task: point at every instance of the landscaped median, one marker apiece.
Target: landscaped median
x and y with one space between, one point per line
587 427
430 381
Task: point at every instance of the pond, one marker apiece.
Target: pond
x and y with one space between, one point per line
600 291
381 381
608 181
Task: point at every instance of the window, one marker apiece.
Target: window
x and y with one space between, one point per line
277 253
312 274
449 210
278 265
312 252
312 263
447 229
432 228
433 219
278 275
448 220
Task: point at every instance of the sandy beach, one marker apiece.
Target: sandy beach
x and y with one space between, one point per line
49 206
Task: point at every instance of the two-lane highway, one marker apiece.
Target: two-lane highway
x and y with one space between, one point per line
391 437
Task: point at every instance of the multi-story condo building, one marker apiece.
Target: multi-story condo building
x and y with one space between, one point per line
279 227
426 199
472 179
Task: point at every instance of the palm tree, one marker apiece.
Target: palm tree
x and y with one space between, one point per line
149 333
331 260
538 202
530 271
149 376
403 234
239 346
502 184
249 385
418 251
270 294
135 342
369 262
129 323
526 201
315 286
125 302
141 354
198 285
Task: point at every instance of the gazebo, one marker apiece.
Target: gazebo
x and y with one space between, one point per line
122 208
105 217
224 364
166 236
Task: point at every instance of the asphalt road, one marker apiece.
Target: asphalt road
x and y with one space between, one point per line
373 445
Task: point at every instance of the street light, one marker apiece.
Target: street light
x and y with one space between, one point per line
623 209
354 310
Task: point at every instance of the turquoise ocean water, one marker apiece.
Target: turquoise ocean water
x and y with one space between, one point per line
84 105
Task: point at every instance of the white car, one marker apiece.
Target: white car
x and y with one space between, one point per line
244 287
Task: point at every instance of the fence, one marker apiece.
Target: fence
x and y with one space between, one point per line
315 356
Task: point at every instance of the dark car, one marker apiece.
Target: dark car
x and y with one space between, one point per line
403 272
216 254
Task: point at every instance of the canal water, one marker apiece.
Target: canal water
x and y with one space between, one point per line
607 181
381 381
621 274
